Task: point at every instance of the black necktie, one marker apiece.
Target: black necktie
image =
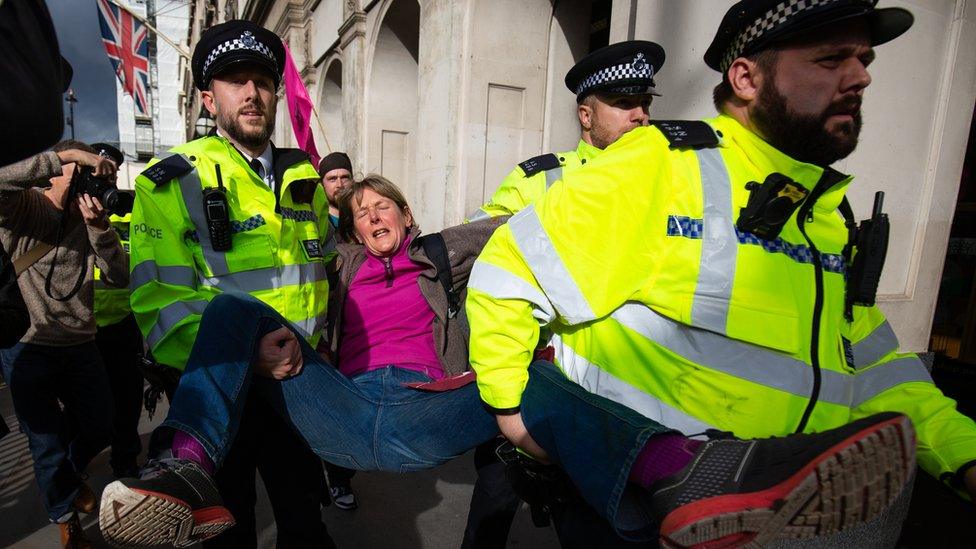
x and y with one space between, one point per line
257 167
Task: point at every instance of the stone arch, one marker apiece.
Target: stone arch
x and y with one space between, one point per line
392 98
330 130
570 39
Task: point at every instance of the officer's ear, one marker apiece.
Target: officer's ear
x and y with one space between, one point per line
585 112
745 79
207 98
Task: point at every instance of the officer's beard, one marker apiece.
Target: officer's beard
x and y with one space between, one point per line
251 137
805 137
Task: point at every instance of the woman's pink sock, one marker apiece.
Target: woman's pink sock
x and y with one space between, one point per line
661 457
188 448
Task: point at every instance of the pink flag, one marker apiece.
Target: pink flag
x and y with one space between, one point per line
299 107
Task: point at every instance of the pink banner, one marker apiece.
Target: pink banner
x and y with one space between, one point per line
299 108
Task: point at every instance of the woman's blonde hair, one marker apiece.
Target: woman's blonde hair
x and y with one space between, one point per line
378 184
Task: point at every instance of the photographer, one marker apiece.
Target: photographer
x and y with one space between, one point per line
55 237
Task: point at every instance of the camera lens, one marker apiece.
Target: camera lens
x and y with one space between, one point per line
110 199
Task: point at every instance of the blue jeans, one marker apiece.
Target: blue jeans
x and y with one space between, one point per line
373 422
62 443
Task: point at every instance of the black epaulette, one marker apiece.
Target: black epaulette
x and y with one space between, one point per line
541 163
167 169
694 134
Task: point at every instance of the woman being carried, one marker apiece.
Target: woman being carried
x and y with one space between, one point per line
400 402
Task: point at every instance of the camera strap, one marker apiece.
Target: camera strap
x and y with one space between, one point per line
33 255
67 224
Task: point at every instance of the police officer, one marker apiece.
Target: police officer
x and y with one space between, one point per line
120 343
614 87
232 212
698 272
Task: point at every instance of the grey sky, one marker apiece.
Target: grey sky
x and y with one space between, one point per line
80 40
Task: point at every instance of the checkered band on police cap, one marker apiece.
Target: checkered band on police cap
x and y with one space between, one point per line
246 41
768 22
636 68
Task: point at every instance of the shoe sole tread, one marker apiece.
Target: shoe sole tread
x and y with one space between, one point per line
130 518
851 483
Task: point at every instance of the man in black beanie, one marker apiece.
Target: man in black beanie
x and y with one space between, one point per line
336 172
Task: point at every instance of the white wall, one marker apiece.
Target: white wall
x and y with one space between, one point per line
326 20
569 39
392 88
329 108
505 92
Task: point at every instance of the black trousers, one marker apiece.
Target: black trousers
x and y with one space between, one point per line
494 504
292 475
339 476
120 345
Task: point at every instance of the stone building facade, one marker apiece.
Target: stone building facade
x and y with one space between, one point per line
445 96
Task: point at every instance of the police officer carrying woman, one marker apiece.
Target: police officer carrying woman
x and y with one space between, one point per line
230 211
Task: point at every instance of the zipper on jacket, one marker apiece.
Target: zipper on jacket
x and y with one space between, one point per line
829 178
388 269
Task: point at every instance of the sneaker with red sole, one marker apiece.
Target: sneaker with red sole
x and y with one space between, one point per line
747 493
174 502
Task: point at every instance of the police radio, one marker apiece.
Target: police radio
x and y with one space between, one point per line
217 211
871 243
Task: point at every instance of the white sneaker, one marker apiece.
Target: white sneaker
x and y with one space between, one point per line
343 497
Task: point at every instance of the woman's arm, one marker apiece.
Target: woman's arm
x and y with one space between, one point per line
464 244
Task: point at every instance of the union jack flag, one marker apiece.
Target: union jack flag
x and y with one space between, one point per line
125 41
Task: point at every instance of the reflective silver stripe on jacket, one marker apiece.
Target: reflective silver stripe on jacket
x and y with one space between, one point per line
873 348
192 190
873 381
309 326
498 282
716 269
478 215
150 271
597 380
548 267
268 278
553 175
171 315
762 366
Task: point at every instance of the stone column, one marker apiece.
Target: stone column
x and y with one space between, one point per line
442 51
352 43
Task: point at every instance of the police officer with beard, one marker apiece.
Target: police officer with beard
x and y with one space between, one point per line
232 212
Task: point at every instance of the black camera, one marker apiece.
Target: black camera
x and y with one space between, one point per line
771 203
85 181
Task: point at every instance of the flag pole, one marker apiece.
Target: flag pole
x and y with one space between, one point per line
143 20
318 119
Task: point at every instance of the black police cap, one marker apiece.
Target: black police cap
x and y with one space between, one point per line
751 26
233 42
109 152
625 67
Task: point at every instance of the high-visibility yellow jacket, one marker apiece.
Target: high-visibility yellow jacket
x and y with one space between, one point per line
112 304
530 180
280 243
657 301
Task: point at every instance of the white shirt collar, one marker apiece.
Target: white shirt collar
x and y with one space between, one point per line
264 159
